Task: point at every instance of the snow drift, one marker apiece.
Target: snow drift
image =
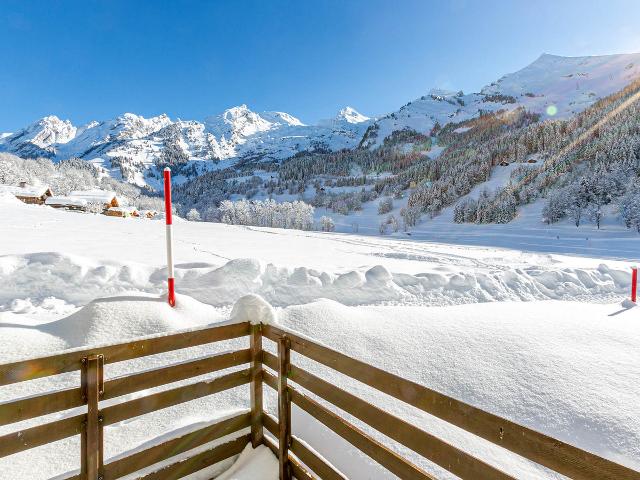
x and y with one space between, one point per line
569 370
31 281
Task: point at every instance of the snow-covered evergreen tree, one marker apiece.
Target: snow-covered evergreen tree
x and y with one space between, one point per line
327 224
193 215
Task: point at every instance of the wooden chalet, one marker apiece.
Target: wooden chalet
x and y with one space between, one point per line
148 213
67 203
106 198
35 195
121 212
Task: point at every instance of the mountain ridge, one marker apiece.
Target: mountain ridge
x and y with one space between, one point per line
552 86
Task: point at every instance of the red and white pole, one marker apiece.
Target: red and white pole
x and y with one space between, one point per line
634 283
167 215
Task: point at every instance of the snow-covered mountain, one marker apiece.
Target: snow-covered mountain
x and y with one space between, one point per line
237 134
243 134
40 138
551 85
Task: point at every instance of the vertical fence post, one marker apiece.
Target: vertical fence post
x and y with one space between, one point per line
284 407
92 384
256 386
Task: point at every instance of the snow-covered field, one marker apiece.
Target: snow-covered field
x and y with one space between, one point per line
538 337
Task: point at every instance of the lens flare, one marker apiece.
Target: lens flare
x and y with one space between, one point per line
552 110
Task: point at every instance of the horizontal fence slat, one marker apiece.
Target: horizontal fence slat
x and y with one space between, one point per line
168 398
270 423
199 461
299 472
175 446
352 434
462 464
19 441
26 408
173 373
315 463
543 449
70 361
306 456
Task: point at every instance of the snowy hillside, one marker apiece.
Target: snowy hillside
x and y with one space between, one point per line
498 328
564 85
131 146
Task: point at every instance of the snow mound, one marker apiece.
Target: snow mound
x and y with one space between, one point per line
253 464
9 199
115 319
289 286
252 308
76 280
21 338
567 369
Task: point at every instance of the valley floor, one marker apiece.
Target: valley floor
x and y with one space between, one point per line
565 362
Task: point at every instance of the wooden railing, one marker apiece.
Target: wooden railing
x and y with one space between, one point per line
93 389
293 384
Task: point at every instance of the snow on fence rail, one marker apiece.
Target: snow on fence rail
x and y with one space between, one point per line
293 384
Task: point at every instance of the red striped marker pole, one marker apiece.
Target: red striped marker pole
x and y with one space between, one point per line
167 215
634 283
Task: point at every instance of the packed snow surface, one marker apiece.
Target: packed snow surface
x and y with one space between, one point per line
448 316
564 368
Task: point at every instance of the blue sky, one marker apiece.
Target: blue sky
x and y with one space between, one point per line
94 60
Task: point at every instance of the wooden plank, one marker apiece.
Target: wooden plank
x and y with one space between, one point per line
26 408
284 408
175 446
92 445
315 463
271 424
168 398
68 362
256 386
543 449
438 451
199 461
31 407
352 434
323 469
174 373
299 472
272 445
19 441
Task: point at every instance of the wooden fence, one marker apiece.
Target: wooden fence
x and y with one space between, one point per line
257 366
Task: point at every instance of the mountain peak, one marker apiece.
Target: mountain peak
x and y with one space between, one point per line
48 131
282 118
236 123
351 115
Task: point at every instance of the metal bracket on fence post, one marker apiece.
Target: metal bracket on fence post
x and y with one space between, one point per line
93 387
257 434
284 407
